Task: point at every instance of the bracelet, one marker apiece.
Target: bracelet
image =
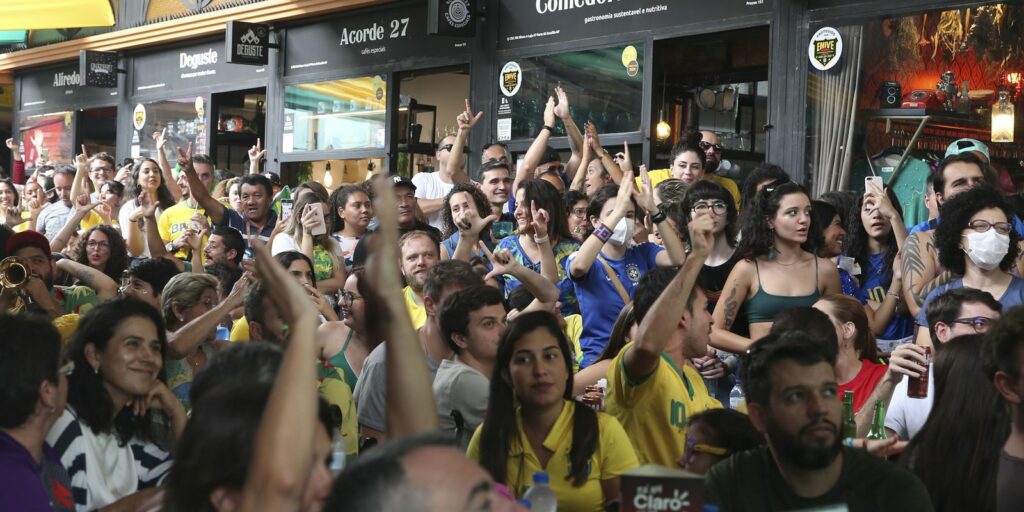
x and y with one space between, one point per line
541 240
659 217
602 232
894 294
550 129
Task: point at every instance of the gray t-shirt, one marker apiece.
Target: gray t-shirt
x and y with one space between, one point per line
371 388
52 219
460 387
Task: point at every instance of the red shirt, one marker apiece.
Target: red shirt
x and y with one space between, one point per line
864 383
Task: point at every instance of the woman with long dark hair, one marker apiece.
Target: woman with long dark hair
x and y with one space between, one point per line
146 179
876 234
956 453
544 242
829 237
352 212
102 248
466 217
776 268
533 425
108 437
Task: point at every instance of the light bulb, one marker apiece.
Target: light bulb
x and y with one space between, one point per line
663 130
1002 119
328 177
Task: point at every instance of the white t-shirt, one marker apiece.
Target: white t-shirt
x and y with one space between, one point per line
430 186
906 416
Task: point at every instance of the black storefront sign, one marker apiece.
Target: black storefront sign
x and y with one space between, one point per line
535 22
367 39
60 89
98 69
451 18
247 43
189 67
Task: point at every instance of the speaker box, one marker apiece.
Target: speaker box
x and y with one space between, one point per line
889 95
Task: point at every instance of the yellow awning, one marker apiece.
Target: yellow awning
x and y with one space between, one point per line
38 14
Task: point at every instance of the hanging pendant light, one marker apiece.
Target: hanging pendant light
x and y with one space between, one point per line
663 130
1002 119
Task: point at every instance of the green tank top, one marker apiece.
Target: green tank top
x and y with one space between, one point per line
341 363
763 306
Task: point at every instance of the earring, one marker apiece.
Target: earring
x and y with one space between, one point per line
772 253
96 369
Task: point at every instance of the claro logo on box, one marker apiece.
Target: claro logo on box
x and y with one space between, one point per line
194 60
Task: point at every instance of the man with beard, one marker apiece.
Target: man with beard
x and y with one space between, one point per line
225 246
791 392
34 250
419 253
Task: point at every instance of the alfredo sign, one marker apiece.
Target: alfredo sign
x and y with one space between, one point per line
534 22
61 88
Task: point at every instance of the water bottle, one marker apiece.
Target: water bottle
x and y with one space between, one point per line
337 452
736 397
541 497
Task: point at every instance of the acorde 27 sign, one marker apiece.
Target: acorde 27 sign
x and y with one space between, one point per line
189 67
534 22
366 39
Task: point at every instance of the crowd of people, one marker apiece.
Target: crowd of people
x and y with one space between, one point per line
171 341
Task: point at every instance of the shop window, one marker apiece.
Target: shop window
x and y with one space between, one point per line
604 86
184 120
336 115
904 88
47 138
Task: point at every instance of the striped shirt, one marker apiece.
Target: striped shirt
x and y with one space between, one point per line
89 466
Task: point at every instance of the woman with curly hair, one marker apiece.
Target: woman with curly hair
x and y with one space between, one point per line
776 267
466 217
103 248
976 240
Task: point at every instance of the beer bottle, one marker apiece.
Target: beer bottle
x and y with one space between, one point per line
877 431
849 425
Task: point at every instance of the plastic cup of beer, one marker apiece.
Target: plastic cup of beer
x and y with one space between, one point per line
917 387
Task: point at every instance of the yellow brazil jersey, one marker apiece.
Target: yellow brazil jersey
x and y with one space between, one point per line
573 330
335 391
416 310
173 223
660 175
655 409
94 219
613 456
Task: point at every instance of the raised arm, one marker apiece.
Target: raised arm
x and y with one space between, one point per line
18 163
165 166
503 263
157 249
573 131
880 318
470 227
256 154
103 285
591 247
918 269
410 398
580 174
533 155
283 450
737 287
548 265
674 253
665 314
182 342
82 208
80 185
607 162
213 207
466 121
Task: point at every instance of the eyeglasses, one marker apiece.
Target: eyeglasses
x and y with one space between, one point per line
717 207
693 448
67 368
347 298
103 170
94 244
981 226
136 286
980 323
579 213
448 147
705 145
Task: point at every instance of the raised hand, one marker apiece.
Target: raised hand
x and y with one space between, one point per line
469 222
256 153
539 220
881 201
37 138
193 239
623 159
626 191
502 262
467 120
82 160
83 205
549 112
562 108
645 196
161 139
702 235
147 206
595 138
309 220
185 159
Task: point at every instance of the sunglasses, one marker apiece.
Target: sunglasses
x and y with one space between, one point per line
705 145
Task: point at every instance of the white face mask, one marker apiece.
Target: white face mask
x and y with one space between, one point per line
623 231
987 249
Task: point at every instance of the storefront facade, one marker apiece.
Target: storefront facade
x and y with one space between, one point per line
361 86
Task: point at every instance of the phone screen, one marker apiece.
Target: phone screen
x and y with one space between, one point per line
287 205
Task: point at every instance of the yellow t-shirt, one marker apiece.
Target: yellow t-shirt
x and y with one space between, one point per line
660 175
417 312
573 330
612 457
173 223
335 391
655 409
93 219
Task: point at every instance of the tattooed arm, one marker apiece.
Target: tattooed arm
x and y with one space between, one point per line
919 268
737 288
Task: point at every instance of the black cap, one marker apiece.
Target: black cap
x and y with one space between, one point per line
402 181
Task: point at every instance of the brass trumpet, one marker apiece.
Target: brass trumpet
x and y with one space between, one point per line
14 273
